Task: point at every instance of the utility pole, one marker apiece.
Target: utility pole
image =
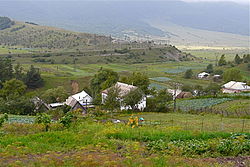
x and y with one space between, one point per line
176 85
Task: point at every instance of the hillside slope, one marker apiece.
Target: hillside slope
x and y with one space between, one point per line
31 35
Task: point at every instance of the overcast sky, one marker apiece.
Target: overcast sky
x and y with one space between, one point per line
237 1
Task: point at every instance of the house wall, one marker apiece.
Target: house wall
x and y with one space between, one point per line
141 105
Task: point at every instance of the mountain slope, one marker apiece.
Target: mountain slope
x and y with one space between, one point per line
31 35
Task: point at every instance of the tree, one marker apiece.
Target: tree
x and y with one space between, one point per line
104 79
222 61
210 68
232 75
18 72
45 119
133 98
112 101
218 72
33 78
246 58
188 74
138 79
187 88
212 89
54 95
158 103
237 59
248 67
198 90
6 69
3 119
13 88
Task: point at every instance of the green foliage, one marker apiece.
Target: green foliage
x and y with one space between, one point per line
218 72
3 119
222 60
104 79
188 74
230 146
54 95
246 58
186 88
112 101
158 103
232 75
212 89
133 98
19 105
67 119
12 89
45 119
6 69
237 59
210 68
33 78
138 79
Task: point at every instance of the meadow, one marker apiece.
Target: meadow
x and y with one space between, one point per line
178 140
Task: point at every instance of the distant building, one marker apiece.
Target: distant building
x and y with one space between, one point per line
235 87
183 95
174 92
179 94
203 75
80 100
124 90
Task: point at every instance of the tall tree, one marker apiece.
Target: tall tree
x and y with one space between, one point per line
210 68
222 60
104 79
6 69
54 95
112 101
213 89
133 98
13 88
188 74
33 78
232 75
18 72
237 59
138 79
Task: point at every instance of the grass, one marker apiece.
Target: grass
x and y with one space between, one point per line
90 143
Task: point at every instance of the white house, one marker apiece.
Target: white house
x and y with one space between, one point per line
203 75
235 87
174 92
82 98
124 90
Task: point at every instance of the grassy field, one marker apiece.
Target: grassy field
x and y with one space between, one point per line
164 141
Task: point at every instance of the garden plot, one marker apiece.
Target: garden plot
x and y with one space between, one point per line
196 104
157 86
181 69
21 119
161 79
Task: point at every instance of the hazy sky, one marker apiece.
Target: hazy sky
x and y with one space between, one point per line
237 1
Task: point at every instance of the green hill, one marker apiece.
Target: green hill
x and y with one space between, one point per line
31 35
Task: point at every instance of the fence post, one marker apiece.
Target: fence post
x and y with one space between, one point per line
243 125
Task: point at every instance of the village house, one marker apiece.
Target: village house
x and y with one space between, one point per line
203 75
124 90
235 87
179 94
80 100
